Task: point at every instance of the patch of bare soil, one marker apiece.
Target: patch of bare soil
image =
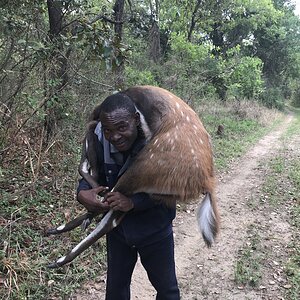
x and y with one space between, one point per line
209 273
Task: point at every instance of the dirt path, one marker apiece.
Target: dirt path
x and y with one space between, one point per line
209 273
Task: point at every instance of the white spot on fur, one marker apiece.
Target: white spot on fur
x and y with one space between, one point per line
177 105
188 118
61 227
192 151
201 141
155 141
85 166
151 156
61 259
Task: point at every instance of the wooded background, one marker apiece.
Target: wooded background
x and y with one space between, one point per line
61 58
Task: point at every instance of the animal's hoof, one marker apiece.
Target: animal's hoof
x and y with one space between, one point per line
51 231
53 265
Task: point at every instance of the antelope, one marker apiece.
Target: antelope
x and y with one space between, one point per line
175 165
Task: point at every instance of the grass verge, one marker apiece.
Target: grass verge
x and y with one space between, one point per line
248 266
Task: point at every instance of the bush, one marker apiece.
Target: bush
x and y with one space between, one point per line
137 77
246 79
273 98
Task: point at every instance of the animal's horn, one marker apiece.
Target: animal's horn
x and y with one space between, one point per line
108 222
72 224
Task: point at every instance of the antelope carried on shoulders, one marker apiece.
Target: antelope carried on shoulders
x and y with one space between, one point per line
174 165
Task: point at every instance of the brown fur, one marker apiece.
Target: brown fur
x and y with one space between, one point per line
178 159
177 162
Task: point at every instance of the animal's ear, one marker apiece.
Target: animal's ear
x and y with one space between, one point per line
137 118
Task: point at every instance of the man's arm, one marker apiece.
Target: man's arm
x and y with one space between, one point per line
137 202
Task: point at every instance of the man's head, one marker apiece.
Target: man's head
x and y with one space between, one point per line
119 121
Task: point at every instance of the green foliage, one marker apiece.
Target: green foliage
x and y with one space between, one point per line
296 97
187 52
187 69
246 78
273 98
136 77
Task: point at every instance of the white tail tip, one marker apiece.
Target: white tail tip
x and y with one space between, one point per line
207 220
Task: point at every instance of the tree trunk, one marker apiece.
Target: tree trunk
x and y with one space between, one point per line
118 13
154 33
217 37
154 41
57 70
193 21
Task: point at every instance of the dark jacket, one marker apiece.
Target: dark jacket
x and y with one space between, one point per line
149 221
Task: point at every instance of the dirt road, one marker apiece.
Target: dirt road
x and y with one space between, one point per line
209 273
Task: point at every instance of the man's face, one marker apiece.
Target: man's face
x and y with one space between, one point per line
120 128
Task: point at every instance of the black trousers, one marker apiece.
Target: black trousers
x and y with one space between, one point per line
157 259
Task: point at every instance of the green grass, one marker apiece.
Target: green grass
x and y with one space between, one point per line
293 266
248 266
239 135
27 209
26 251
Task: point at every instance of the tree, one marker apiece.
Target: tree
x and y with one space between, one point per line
57 78
118 25
154 32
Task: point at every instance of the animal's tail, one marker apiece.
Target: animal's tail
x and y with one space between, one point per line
208 218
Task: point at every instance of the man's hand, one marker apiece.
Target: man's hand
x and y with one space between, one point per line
118 201
90 199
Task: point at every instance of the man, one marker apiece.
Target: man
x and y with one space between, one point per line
147 227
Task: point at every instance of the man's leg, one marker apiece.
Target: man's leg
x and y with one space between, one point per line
158 260
121 260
